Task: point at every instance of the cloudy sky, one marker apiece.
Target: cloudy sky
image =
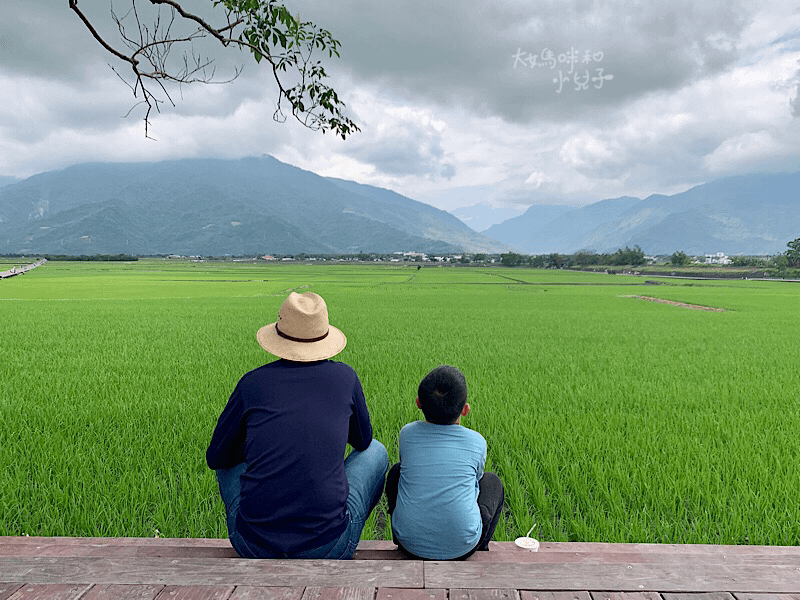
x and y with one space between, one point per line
459 101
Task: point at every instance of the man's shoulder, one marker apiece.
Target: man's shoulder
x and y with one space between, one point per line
339 366
288 365
260 371
323 374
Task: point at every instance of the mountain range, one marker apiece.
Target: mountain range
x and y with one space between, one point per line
218 207
746 214
483 215
261 205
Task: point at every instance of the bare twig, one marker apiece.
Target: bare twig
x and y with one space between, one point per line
73 4
264 27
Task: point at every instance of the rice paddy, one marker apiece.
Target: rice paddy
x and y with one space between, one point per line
608 418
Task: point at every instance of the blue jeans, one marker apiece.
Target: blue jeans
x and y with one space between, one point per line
365 471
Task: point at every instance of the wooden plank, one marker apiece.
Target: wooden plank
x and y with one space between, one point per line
706 596
679 549
123 592
212 571
525 556
754 555
375 552
376 545
625 596
601 548
339 593
196 592
160 550
117 551
598 547
120 541
156 547
767 596
398 594
690 576
6 589
483 594
183 552
379 555
527 595
249 592
626 558
49 592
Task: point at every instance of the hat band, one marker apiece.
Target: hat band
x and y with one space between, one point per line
302 340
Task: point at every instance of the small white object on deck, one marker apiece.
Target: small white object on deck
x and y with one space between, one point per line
528 543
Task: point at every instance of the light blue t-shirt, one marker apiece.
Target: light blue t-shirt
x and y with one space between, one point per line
437 513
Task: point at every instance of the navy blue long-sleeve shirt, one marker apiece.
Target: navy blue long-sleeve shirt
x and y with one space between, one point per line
291 423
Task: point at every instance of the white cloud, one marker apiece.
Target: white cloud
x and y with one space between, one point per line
699 90
536 179
743 151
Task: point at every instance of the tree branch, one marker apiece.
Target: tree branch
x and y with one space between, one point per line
73 4
215 32
264 27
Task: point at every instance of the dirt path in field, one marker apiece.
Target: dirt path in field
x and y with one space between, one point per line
681 304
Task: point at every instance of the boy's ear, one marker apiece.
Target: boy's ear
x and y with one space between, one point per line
419 406
465 410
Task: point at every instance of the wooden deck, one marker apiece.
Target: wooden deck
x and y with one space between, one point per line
34 568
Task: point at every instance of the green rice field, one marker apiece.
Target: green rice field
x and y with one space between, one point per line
608 417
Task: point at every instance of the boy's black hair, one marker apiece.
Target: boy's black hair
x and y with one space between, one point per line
442 395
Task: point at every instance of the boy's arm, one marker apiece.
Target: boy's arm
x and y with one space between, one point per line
360 433
227 442
482 462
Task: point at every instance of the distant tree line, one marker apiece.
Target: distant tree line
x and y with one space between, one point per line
93 257
583 258
679 258
778 261
788 259
793 253
635 257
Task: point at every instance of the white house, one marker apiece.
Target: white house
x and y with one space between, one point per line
720 258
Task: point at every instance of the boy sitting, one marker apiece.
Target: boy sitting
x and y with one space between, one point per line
443 506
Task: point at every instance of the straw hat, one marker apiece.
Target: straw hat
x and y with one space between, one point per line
302 332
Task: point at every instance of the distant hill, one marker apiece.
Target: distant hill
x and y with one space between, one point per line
481 216
218 207
522 230
424 219
7 180
746 214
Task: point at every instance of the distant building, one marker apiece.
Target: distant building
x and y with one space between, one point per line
720 258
